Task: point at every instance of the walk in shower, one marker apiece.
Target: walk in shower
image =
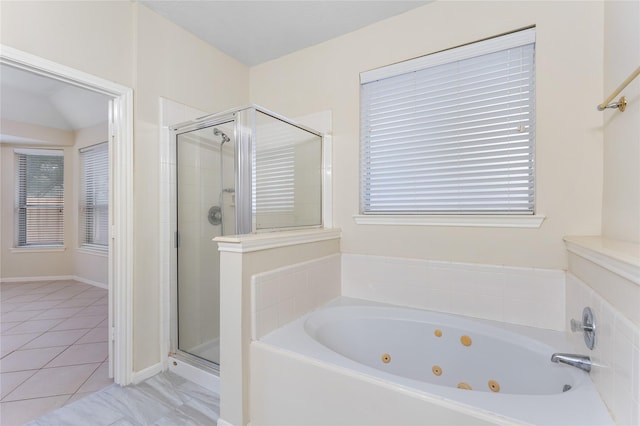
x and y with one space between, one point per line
237 172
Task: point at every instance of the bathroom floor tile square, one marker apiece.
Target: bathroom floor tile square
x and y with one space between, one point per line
53 347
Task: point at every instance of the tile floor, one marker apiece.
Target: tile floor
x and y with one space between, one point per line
53 346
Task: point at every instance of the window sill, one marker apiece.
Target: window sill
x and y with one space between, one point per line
482 221
38 249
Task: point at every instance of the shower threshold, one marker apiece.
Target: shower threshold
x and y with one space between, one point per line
195 369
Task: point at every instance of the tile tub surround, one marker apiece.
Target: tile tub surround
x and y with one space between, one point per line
523 296
605 275
164 399
53 346
616 355
285 294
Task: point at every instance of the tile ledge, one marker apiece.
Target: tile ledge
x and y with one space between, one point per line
619 257
269 240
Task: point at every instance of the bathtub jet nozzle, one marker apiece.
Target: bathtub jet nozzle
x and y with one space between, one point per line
583 362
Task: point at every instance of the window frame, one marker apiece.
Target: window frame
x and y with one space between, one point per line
97 208
22 205
505 218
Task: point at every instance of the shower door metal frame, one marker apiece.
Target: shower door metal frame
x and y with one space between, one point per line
244 119
177 130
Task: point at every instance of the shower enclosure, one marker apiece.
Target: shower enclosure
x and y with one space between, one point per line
237 172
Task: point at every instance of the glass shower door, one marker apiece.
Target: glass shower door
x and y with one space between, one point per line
205 198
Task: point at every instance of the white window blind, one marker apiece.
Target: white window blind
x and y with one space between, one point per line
94 196
273 173
275 179
451 132
39 197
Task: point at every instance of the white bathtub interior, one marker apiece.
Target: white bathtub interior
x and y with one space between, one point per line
448 351
532 403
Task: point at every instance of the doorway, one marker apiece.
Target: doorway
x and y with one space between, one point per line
120 134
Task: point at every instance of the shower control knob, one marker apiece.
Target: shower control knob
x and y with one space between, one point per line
215 215
586 326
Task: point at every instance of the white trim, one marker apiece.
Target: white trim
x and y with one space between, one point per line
223 422
482 47
121 233
53 278
37 151
38 65
327 185
165 232
121 186
269 240
144 374
42 278
489 221
91 282
619 257
37 249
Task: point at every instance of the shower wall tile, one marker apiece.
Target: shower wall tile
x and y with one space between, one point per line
285 294
525 296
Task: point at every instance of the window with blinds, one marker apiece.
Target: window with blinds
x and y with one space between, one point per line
94 196
39 197
274 178
287 175
452 132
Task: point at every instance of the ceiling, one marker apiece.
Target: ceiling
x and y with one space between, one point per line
30 98
254 32
250 31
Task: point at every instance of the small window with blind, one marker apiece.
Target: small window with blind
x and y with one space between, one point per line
94 197
39 197
451 132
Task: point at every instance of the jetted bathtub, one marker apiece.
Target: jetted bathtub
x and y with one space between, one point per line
502 373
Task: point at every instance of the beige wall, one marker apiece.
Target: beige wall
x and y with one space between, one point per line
29 264
173 64
46 263
93 36
127 43
21 263
39 135
621 199
569 137
88 266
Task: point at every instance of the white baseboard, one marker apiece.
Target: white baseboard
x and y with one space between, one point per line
44 278
54 278
91 282
142 375
222 422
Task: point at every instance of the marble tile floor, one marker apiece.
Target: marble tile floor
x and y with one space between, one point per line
53 346
164 399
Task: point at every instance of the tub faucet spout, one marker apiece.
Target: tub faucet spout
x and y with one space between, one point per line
583 362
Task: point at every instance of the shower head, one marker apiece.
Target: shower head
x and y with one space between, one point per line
218 132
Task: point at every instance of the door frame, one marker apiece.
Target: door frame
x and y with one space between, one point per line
120 282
